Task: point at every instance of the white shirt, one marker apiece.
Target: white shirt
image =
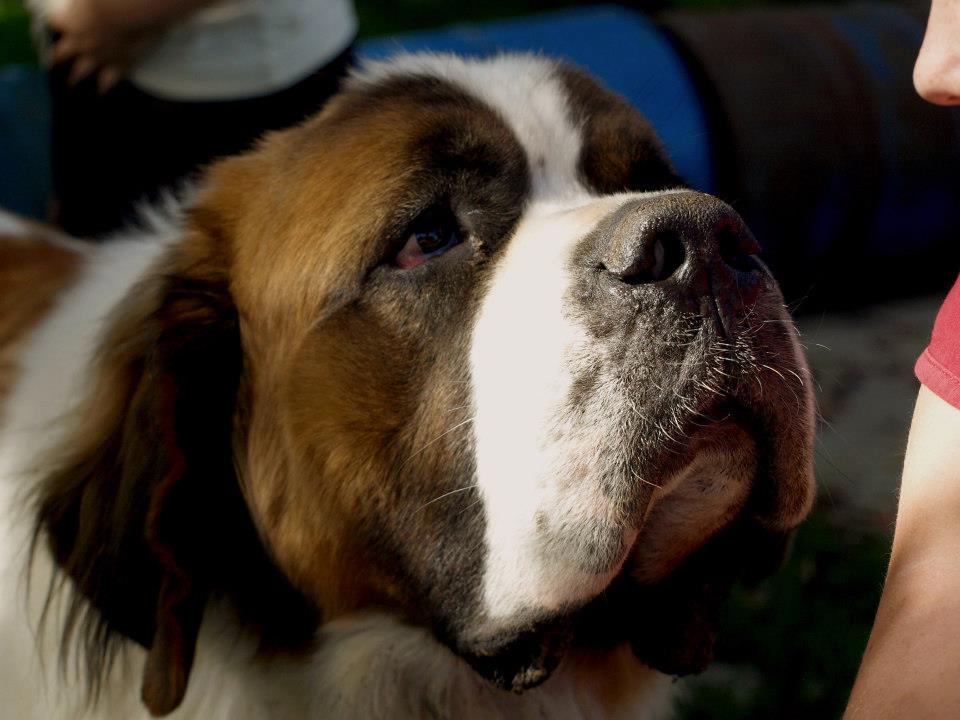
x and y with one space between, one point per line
237 49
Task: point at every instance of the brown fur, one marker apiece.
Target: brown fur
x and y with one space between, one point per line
33 271
334 391
620 150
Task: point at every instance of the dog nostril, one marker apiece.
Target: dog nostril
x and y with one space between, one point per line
737 248
663 257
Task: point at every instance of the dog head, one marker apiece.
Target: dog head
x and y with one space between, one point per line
461 348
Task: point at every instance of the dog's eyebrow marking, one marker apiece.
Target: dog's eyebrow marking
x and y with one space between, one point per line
526 92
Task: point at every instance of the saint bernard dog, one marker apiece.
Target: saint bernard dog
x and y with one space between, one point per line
450 402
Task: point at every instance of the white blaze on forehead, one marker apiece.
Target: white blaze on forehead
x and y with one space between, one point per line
538 471
521 375
525 91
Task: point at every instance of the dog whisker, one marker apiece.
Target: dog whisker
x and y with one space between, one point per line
437 439
447 494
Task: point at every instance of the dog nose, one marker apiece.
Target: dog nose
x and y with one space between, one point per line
687 243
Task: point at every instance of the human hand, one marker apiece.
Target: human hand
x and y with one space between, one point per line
97 43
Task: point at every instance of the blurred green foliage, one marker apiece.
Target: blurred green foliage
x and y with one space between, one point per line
383 17
15 44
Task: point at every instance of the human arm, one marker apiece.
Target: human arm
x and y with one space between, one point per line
911 667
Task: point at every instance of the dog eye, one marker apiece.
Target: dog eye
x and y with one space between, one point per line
433 234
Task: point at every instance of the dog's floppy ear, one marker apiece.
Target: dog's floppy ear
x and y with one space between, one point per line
144 495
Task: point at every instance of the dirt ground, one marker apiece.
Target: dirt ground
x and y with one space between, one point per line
863 367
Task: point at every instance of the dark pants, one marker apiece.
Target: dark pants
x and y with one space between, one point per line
111 152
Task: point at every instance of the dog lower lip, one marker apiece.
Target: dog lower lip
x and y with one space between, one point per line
523 661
